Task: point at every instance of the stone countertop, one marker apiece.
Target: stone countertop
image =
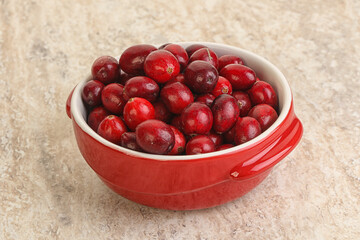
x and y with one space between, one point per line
47 191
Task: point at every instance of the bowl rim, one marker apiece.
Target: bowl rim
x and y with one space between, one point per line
76 105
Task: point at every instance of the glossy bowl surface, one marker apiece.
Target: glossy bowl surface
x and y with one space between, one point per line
193 181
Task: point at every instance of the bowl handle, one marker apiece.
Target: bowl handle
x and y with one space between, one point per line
279 149
68 103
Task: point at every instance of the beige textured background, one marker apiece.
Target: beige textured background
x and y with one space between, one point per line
47 191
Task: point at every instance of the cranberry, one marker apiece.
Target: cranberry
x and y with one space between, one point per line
246 128
143 87
91 93
196 118
96 116
205 54
201 77
105 69
229 59
176 122
136 111
244 102
176 97
111 128
133 58
193 48
124 77
161 112
264 114
128 140
179 78
161 66
223 86
225 111
155 136
206 98
180 54
224 146
240 76
200 144
180 142
112 98
216 138
262 92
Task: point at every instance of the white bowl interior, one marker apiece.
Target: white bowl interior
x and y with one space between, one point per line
265 70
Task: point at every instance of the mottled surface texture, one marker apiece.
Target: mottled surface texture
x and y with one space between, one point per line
47 191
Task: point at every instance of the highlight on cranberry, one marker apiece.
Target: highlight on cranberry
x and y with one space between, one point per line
173 100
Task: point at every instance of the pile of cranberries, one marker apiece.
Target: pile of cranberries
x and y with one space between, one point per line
175 100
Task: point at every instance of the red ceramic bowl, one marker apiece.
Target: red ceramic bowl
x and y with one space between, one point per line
193 181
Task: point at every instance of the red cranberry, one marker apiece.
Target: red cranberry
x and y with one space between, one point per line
179 78
143 87
207 55
262 92
128 140
133 58
180 142
229 59
196 118
223 86
136 111
91 93
224 146
180 54
155 136
201 77
229 135
161 66
176 97
264 114
193 48
246 128
124 77
225 111
243 101
176 122
240 76
200 144
105 69
112 98
216 138
161 112
206 98
96 116
111 128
